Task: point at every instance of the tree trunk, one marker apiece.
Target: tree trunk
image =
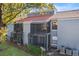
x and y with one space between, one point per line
1 23
0 15
0 20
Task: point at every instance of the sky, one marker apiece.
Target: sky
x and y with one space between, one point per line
66 6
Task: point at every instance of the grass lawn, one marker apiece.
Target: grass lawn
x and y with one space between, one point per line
11 51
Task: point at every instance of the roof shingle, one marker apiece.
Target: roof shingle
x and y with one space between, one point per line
35 18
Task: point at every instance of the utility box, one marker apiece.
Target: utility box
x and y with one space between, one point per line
75 52
68 51
62 50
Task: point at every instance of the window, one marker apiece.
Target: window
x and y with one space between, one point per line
54 24
44 27
18 35
18 27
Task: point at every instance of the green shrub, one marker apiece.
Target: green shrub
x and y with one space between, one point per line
34 50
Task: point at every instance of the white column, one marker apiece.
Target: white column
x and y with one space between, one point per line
47 41
51 32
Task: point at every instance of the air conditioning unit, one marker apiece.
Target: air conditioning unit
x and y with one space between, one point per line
62 50
68 51
75 52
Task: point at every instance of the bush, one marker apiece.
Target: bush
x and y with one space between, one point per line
34 50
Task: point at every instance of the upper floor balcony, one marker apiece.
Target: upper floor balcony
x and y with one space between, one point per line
40 28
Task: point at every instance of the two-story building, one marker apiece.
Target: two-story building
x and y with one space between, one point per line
35 29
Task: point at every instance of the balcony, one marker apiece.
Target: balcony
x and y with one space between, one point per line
40 28
17 37
39 39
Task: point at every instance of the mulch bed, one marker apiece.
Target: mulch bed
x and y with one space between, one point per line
22 47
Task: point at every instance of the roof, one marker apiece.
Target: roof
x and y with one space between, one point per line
67 14
35 18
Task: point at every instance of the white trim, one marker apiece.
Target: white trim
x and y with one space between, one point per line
41 21
69 19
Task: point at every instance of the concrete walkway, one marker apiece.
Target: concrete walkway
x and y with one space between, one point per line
54 52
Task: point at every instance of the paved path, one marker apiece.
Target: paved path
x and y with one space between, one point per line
54 52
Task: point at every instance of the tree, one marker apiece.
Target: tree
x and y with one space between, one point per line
11 10
8 14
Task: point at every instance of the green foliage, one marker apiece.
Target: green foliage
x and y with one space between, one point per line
11 10
34 50
3 45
